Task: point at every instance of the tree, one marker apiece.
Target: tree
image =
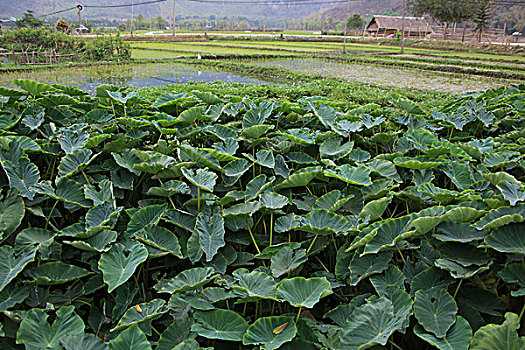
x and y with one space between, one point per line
355 22
30 21
483 15
61 25
444 12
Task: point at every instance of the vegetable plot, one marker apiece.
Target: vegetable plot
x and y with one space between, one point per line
198 221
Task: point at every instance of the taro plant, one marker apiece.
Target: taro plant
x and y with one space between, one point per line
200 221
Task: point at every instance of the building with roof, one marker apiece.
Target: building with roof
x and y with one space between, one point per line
386 26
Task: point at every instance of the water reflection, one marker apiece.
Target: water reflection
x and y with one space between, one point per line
134 75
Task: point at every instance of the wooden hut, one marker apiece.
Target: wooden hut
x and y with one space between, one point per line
389 25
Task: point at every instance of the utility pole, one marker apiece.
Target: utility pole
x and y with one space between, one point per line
403 30
265 14
173 20
346 24
132 15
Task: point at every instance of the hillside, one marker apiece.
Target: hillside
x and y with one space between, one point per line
183 8
365 8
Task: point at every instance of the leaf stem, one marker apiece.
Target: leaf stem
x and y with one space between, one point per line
271 228
156 331
198 199
169 198
522 311
50 213
298 314
457 288
253 238
85 177
112 107
311 244
402 257
395 345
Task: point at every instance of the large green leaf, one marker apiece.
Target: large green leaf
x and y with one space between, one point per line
100 242
22 175
131 338
501 217
11 266
387 234
303 292
504 336
300 136
38 237
458 232
435 309
511 192
255 284
72 141
117 266
515 273
67 191
161 239
201 178
362 266
175 334
169 188
370 324
287 260
12 211
457 270
419 162
263 158
323 222
127 159
75 162
12 295
272 200
300 178
507 239
36 333
56 273
219 324
102 216
457 338
187 280
270 332
34 88
82 342
143 312
353 175
210 229
144 217
392 277
334 150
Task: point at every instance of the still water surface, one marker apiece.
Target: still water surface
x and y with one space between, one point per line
133 75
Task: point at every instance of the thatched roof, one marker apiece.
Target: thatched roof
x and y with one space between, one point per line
396 22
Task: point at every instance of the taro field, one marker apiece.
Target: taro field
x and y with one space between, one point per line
194 220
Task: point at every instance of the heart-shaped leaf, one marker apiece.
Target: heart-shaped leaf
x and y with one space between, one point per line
270 332
117 266
303 292
219 324
36 333
435 309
